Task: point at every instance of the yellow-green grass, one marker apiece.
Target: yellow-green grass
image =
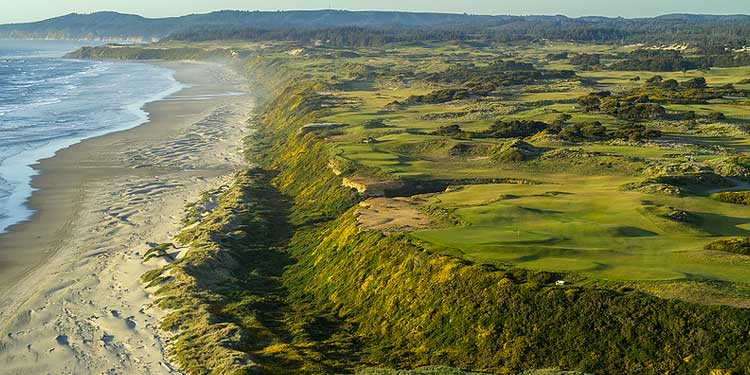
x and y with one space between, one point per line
634 151
732 111
714 77
554 95
587 225
597 229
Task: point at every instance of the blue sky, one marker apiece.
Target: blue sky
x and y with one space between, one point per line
32 10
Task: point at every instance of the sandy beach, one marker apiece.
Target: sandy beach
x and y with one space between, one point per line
70 297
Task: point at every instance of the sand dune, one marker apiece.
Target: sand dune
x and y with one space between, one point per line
79 307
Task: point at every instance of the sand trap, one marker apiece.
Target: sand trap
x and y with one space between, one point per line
392 215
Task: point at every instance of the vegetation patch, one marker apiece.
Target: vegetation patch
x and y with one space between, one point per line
738 246
515 152
735 197
527 251
159 251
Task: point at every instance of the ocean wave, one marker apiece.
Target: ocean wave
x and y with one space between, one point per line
78 100
95 70
44 102
29 82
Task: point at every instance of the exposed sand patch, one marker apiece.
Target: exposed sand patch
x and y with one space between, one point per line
79 307
369 186
392 215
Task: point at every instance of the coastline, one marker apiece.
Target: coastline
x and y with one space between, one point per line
19 166
70 275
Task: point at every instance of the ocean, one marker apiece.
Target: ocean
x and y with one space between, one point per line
48 103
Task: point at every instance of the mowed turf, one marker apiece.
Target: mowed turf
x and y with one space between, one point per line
587 225
578 220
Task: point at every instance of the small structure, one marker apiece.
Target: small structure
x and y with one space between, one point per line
296 52
560 282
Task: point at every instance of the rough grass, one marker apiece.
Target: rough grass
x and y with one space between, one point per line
280 279
422 308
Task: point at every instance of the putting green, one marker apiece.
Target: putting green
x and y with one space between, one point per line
588 225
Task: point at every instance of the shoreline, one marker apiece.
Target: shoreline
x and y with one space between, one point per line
46 165
24 165
99 204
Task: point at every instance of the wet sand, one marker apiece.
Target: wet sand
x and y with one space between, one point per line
70 297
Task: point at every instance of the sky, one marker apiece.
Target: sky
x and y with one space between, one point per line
34 10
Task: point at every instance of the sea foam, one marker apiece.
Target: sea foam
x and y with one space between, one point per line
49 103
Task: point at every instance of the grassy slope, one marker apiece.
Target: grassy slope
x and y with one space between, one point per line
563 238
402 301
351 299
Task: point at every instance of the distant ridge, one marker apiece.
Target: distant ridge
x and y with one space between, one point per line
114 26
118 26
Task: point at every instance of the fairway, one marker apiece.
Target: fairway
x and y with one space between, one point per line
577 218
588 225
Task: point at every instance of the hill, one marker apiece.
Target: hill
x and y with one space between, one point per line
113 25
117 26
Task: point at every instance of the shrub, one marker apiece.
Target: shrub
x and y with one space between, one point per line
655 61
450 131
635 132
654 81
586 60
579 132
633 109
514 129
561 119
736 197
557 56
374 124
716 116
591 102
440 96
735 245
695 83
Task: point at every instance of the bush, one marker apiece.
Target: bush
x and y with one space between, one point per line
440 96
495 75
579 132
635 132
586 60
736 245
557 56
633 110
716 116
561 119
374 124
591 102
655 61
450 131
736 197
514 129
695 83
